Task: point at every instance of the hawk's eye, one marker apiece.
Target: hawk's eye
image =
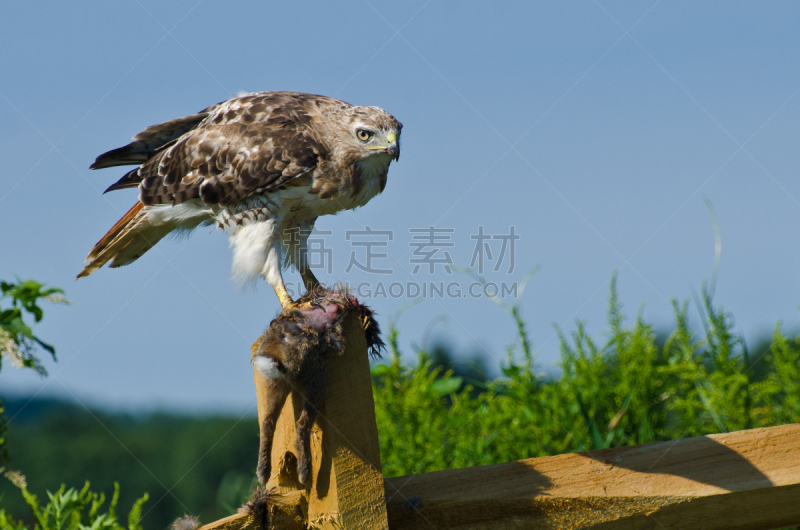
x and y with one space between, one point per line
363 135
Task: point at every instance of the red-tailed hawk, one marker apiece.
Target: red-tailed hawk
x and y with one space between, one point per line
256 165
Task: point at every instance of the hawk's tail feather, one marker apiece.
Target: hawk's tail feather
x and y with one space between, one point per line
127 241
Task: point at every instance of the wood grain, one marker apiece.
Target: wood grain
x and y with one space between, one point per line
741 480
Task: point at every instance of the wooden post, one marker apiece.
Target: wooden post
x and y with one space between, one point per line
347 489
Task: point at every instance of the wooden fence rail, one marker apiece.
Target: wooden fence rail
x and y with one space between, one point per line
744 479
741 480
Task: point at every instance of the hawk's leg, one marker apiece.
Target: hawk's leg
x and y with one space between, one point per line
309 280
283 294
295 243
272 273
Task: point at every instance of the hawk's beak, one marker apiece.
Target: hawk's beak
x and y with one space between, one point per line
394 146
393 150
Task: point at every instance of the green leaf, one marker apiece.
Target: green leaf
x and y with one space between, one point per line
380 370
135 515
594 431
46 346
25 296
446 385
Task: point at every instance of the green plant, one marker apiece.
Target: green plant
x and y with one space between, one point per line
17 341
196 464
70 509
632 387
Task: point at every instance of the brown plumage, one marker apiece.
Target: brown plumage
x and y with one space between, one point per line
293 354
255 165
127 240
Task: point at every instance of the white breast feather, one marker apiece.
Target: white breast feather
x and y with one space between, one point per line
257 245
257 251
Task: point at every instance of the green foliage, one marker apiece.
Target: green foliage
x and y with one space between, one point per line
199 465
70 509
3 436
631 388
779 391
17 341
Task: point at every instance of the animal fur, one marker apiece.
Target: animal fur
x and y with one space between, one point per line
187 522
258 505
294 354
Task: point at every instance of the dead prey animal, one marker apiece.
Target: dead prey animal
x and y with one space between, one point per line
293 355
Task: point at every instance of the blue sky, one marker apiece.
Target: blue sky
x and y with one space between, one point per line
594 128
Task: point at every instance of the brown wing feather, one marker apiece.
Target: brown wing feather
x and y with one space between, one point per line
128 180
149 141
244 146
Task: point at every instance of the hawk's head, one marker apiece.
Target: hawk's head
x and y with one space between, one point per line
371 131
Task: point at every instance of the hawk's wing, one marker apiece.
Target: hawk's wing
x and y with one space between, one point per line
146 143
244 146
